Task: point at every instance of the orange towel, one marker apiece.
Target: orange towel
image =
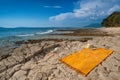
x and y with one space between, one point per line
85 60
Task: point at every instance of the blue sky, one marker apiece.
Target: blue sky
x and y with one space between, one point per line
58 13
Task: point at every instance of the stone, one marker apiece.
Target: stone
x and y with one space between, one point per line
2 66
14 69
19 75
89 46
28 65
34 49
40 76
115 75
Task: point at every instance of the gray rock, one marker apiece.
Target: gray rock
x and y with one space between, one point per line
20 75
114 75
40 76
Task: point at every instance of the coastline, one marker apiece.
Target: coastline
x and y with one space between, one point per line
91 32
39 58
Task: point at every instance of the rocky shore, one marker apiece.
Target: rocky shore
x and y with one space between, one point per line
92 32
39 59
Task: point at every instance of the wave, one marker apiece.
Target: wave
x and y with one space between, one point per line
26 35
47 32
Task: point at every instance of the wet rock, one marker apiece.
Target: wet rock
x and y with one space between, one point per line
3 56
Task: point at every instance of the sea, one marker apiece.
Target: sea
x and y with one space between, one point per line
8 36
22 32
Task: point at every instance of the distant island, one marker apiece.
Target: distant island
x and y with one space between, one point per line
112 20
94 25
1 27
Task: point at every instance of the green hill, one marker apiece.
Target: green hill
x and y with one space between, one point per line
112 20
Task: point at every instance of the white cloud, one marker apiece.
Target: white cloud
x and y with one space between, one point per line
52 7
61 16
89 9
114 8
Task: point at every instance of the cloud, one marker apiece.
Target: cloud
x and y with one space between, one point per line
61 16
52 7
114 8
89 10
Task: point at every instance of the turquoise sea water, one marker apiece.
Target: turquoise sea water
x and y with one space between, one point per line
17 32
9 35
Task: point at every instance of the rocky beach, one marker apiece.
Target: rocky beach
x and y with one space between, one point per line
39 59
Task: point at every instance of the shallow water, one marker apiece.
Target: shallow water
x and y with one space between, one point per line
8 36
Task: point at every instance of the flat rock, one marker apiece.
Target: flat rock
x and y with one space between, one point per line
20 75
40 61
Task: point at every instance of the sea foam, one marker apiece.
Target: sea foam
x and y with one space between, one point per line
46 32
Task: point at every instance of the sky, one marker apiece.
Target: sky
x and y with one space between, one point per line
55 13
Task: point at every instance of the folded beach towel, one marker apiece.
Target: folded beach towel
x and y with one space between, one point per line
86 59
